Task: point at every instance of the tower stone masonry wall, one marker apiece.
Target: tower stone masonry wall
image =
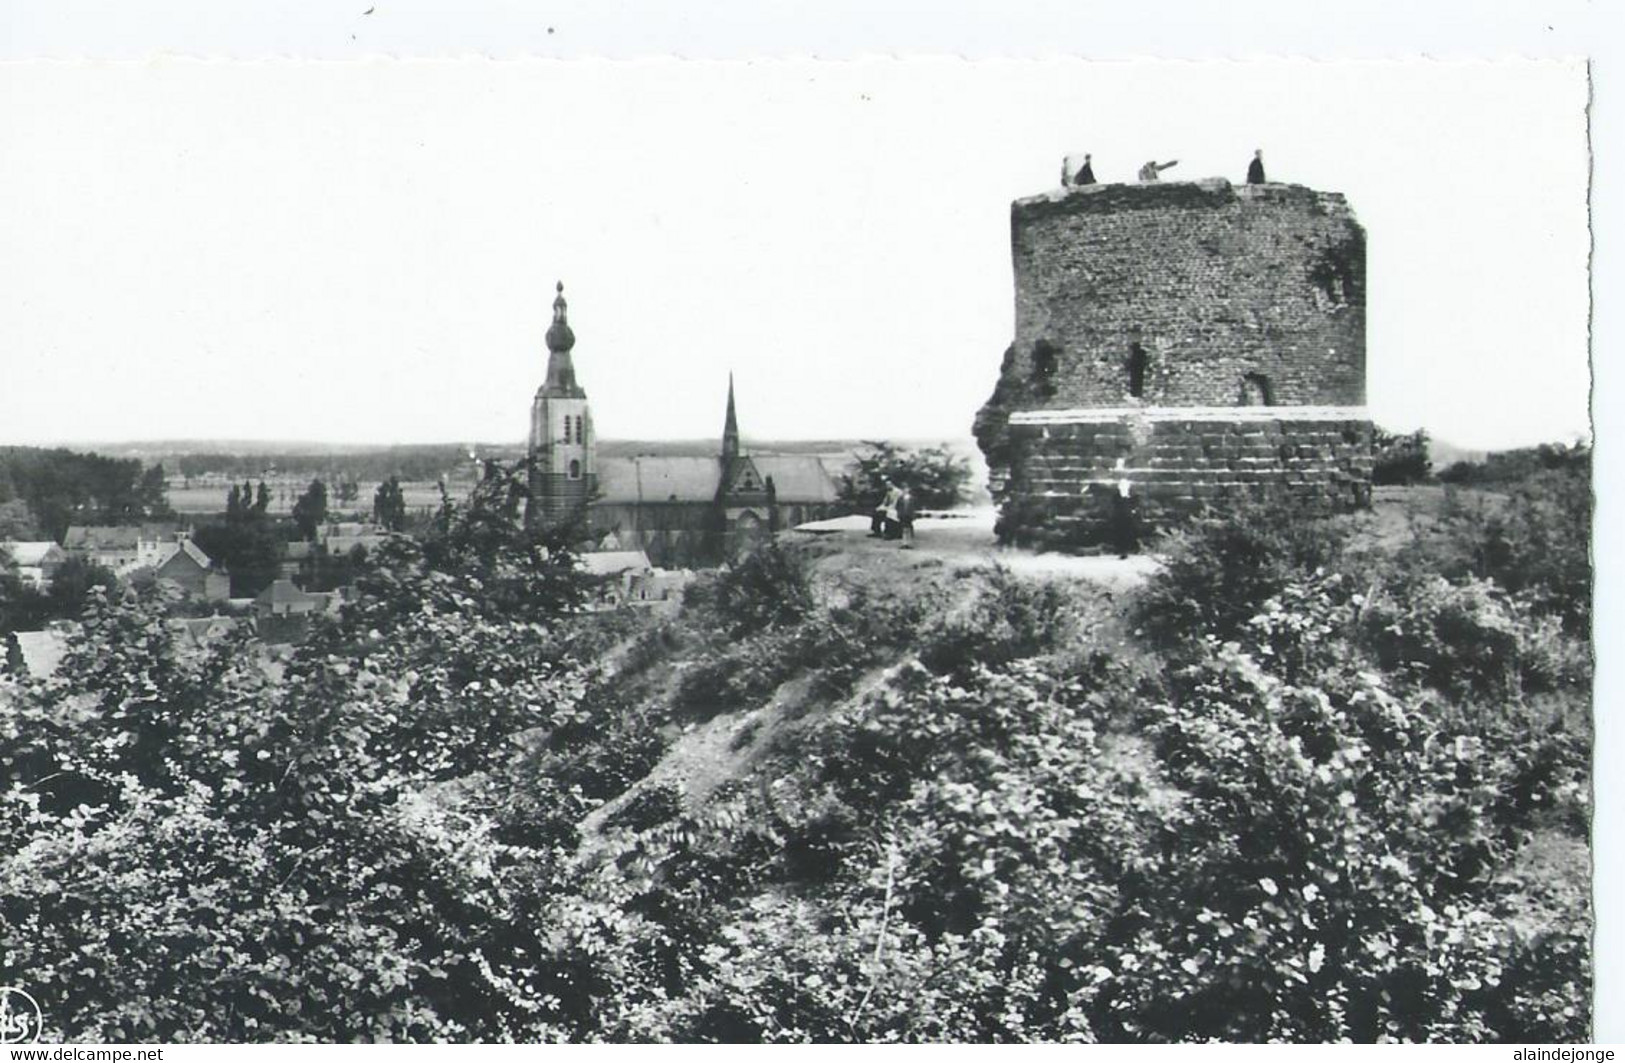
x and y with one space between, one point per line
556 498
1201 342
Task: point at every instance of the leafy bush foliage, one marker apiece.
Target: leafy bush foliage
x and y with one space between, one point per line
1539 546
345 854
776 628
1400 459
1532 538
937 476
24 607
769 587
1005 620
1218 572
1510 467
1347 798
1466 638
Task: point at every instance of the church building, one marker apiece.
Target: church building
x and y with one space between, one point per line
562 478
682 511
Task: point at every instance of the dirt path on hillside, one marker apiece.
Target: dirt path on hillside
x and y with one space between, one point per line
965 538
706 753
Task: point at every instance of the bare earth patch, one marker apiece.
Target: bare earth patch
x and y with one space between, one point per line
964 538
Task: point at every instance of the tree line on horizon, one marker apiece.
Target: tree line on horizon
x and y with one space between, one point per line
44 490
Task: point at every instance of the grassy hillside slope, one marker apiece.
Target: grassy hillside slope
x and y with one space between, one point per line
1300 780
1313 780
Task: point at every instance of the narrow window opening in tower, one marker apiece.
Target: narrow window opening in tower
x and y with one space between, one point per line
579 421
575 469
1046 359
1333 285
1138 363
1255 390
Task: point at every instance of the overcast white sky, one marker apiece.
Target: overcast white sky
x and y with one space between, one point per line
365 251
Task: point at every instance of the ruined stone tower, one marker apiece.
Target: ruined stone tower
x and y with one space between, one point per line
1193 342
564 473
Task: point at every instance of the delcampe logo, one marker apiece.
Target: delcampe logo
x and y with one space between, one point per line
20 1017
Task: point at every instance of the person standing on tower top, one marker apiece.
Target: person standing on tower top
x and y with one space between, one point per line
1255 169
1152 170
1084 175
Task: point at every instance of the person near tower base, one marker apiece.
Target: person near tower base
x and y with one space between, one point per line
905 517
885 512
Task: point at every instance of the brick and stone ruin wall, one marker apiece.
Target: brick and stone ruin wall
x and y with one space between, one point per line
1186 344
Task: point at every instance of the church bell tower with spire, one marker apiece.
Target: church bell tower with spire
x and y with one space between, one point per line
563 476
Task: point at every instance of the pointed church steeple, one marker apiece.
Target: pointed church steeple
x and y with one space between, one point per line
730 426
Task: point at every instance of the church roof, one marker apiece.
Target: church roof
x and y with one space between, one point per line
652 478
797 477
648 478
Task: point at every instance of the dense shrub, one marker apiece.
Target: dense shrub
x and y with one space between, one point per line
981 856
335 855
936 476
1341 868
768 587
1400 459
734 675
1531 536
1006 619
1218 571
1509 467
1466 638
648 807
1539 545
837 637
24 607
1349 801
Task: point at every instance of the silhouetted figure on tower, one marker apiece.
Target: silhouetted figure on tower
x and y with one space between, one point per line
1255 169
1083 175
1152 170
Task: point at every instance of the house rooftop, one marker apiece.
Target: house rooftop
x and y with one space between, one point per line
612 562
